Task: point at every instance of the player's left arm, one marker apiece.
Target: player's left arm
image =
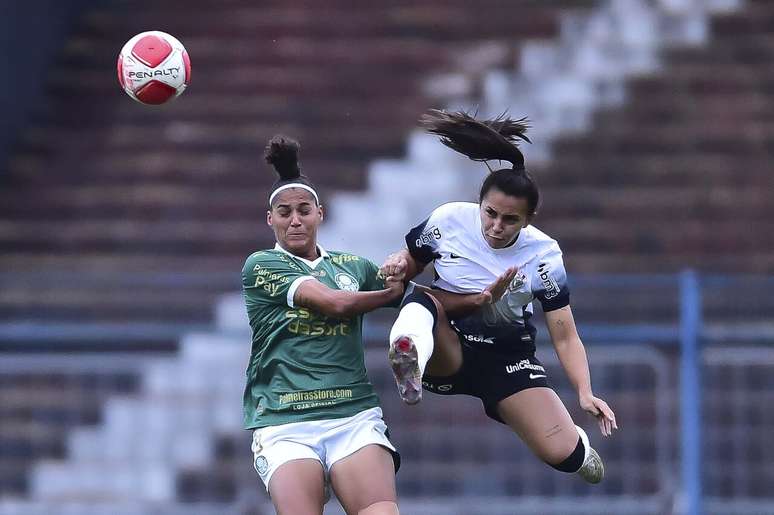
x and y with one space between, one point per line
572 355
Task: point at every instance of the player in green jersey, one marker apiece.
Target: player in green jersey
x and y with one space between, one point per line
315 417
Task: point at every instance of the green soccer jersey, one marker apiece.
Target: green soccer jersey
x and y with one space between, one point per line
304 365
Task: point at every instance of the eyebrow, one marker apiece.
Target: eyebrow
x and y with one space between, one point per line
302 204
509 216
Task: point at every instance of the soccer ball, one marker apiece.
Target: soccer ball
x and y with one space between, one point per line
153 67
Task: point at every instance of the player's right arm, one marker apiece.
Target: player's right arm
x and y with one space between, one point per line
320 298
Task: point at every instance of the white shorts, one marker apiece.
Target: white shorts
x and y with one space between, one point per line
326 441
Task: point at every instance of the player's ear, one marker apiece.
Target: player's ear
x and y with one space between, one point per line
320 211
268 218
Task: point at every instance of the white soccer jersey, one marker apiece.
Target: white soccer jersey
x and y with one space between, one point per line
465 263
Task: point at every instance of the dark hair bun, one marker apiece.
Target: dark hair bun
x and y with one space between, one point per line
282 153
480 140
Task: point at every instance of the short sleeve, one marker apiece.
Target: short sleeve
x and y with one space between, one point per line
549 283
424 240
272 278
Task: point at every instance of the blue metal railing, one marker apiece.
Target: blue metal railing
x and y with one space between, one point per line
690 391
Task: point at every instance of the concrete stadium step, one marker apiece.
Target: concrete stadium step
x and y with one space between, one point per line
245 79
664 201
157 269
146 201
616 169
197 168
149 482
656 111
138 137
691 84
589 261
757 18
745 140
642 235
739 53
440 22
270 109
411 55
164 237
80 506
31 440
85 305
38 408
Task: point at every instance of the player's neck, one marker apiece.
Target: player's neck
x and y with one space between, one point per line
309 254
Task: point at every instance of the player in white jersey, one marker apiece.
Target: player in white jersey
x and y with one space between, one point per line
471 333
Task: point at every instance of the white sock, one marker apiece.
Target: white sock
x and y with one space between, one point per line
415 321
586 446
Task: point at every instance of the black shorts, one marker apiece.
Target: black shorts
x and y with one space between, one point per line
490 376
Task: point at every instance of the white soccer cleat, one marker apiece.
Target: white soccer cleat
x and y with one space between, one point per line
405 368
593 470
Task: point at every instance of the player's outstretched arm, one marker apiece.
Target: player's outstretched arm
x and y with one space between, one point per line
318 297
572 355
458 304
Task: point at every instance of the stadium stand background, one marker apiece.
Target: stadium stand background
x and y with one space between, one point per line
123 229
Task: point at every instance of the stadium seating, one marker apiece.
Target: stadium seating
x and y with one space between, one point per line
120 225
680 173
123 192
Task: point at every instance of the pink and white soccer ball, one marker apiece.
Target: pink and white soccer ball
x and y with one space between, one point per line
153 67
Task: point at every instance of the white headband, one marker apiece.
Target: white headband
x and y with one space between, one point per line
294 185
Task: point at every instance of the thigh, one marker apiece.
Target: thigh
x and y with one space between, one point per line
297 487
540 418
446 359
364 481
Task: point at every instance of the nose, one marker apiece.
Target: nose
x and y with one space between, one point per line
295 220
497 226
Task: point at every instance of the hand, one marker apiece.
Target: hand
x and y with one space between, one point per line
599 408
395 285
395 265
496 290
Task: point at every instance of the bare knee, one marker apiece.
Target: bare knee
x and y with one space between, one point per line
298 506
438 305
538 416
558 444
298 488
380 508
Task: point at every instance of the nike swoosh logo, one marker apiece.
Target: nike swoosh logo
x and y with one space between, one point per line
453 255
535 376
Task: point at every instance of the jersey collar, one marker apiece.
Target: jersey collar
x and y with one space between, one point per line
310 264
